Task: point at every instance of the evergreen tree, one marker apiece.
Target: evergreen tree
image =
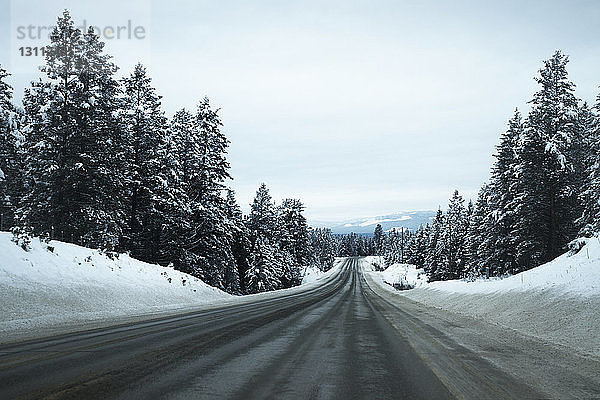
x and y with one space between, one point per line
588 147
477 234
262 221
146 191
98 162
451 246
401 247
10 157
378 240
418 246
48 208
295 239
546 205
322 248
240 241
434 257
183 156
70 130
265 269
211 235
391 252
500 221
406 245
173 207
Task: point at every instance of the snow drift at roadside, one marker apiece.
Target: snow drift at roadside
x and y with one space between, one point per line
59 287
558 301
59 283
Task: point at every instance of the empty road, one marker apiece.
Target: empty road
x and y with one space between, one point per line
336 341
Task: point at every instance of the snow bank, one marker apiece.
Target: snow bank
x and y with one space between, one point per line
59 287
376 263
568 275
312 274
405 275
558 301
59 283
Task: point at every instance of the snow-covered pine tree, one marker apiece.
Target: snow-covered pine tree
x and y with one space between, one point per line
70 131
11 174
469 212
7 108
296 239
322 248
434 258
531 219
361 245
589 169
187 152
262 220
171 209
407 245
344 246
451 245
391 248
239 242
47 208
174 207
213 166
184 148
418 245
205 170
477 234
582 148
146 189
367 246
39 165
265 270
99 162
349 245
214 243
499 247
378 240
546 204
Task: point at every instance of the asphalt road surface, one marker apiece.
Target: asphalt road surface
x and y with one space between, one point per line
336 341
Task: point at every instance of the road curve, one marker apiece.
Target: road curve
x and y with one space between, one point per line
332 342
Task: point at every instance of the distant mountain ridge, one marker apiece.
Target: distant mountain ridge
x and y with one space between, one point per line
407 219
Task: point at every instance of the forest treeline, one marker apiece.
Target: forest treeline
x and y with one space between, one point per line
543 194
93 160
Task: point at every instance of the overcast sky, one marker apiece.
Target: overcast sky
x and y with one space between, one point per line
359 108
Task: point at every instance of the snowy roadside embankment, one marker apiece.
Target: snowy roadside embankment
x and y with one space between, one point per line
312 274
404 276
377 263
69 285
558 301
50 291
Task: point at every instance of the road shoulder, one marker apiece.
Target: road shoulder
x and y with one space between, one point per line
552 371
